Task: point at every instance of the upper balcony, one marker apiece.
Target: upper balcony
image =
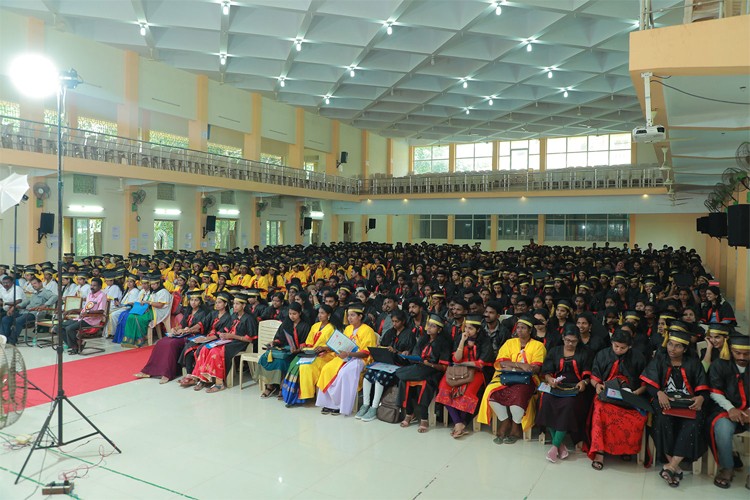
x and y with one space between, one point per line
36 137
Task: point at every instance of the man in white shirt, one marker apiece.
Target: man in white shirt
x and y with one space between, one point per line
10 294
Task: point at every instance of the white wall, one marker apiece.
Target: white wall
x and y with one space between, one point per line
166 89
376 150
351 142
229 107
674 230
317 132
278 121
400 158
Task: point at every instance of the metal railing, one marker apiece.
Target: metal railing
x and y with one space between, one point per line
26 135
691 10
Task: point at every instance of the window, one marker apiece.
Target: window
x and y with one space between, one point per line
474 157
226 234
96 125
50 117
10 110
430 159
227 197
518 155
87 236
274 232
165 191
588 151
164 231
272 159
433 227
472 227
587 227
517 227
222 149
171 140
84 184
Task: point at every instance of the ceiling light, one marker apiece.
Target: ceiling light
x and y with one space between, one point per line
389 28
528 47
465 84
143 29
351 72
89 209
645 196
282 83
491 102
328 100
223 59
467 111
549 74
298 45
498 9
167 211
225 8
565 94
229 211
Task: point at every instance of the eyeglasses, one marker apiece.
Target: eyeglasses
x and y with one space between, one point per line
570 341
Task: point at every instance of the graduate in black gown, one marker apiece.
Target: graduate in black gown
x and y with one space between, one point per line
676 375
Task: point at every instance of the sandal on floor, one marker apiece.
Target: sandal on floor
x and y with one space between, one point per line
459 434
141 375
510 439
188 382
669 476
498 440
424 426
597 465
325 411
164 380
200 386
215 388
268 393
723 479
408 419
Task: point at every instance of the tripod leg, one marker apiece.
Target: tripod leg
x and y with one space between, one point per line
92 424
42 432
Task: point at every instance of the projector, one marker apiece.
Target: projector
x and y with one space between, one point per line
654 133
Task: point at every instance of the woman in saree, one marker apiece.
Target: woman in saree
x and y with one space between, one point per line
473 347
340 378
120 314
219 320
275 362
566 367
302 376
216 357
157 298
163 361
418 382
179 300
513 404
616 430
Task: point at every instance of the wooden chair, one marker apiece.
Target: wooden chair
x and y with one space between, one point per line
91 332
266 332
69 304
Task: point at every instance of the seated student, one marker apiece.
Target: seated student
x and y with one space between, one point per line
418 382
593 340
30 308
158 300
675 373
274 363
730 392
513 404
717 310
163 360
218 321
398 339
565 365
122 306
214 360
475 347
340 378
301 378
616 430
541 332
716 344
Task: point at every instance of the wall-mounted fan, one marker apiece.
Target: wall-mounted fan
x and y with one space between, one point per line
260 207
41 192
13 384
207 202
137 197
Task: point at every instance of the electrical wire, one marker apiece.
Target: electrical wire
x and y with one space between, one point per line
700 96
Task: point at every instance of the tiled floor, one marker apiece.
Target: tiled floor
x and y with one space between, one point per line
180 444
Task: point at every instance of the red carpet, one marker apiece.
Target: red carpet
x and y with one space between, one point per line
87 374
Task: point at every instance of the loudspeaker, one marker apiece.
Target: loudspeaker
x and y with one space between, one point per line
701 224
307 223
371 223
344 157
738 226
47 224
717 225
210 223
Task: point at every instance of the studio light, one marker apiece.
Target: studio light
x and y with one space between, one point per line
35 74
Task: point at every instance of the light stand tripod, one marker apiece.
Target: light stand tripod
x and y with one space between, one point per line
67 80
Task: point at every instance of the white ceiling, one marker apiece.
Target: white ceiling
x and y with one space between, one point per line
408 84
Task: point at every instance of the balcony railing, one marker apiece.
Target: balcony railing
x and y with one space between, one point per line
689 11
26 135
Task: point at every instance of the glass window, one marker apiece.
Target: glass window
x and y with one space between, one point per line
518 155
171 140
164 234
433 227
274 234
87 236
471 227
96 125
517 227
474 157
226 234
588 227
272 159
430 159
223 149
592 150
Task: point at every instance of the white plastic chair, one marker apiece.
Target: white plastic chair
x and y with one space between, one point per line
266 332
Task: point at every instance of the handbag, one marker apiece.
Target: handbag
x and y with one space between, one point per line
457 375
514 378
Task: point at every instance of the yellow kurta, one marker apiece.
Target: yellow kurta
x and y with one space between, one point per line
259 282
364 338
533 354
310 373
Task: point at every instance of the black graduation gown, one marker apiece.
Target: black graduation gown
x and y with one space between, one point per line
725 379
244 327
436 351
298 333
675 435
597 342
608 366
213 326
402 342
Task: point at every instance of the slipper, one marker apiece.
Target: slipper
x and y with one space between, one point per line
215 388
424 426
498 440
268 393
200 386
408 419
510 439
564 453
669 476
326 411
459 434
141 375
164 380
597 465
186 382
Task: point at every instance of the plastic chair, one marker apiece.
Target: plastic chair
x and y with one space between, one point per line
266 332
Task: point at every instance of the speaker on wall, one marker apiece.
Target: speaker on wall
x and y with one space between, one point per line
46 226
738 226
307 223
344 157
717 224
701 224
210 223
371 223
